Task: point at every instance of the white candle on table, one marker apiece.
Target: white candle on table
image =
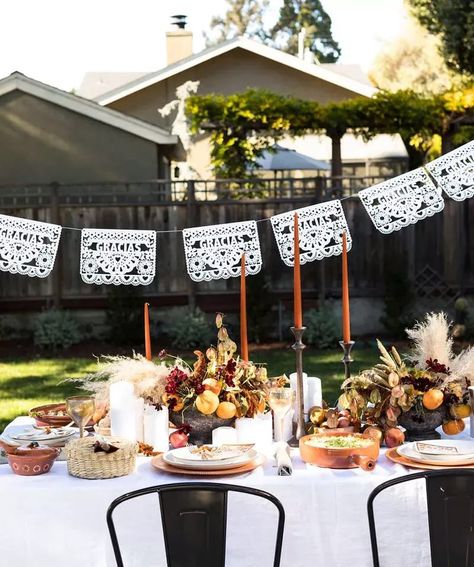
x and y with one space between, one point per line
224 436
247 429
156 428
139 409
315 396
123 421
264 431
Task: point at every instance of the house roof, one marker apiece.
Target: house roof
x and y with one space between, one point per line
96 83
322 72
18 81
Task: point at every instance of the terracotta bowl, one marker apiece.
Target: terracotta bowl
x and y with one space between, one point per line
48 417
340 458
32 462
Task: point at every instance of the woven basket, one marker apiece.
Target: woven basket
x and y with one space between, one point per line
84 463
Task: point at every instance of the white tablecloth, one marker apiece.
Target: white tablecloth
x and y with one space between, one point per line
56 519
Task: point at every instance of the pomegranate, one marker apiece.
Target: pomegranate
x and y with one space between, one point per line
179 438
394 437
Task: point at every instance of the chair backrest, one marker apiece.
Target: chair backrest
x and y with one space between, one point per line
450 499
194 520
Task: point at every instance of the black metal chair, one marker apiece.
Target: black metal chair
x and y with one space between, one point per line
450 499
194 519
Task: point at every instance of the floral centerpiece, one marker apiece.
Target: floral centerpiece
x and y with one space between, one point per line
217 389
421 391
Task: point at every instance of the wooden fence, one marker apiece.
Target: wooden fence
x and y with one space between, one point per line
436 254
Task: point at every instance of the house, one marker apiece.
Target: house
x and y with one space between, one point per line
48 135
234 66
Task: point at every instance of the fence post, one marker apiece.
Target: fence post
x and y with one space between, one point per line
191 213
58 268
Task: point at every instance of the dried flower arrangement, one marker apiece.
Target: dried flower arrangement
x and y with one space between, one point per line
218 383
148 379
430 384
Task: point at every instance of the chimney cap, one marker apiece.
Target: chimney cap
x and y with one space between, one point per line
180 21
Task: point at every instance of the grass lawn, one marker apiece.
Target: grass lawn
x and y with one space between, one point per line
27 382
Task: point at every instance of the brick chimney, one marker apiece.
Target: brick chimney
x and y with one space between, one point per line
179 43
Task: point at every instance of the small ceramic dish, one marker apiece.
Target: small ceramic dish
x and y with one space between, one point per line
31 461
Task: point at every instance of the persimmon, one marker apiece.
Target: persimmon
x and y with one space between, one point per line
460 411
454 426
433 398
226 410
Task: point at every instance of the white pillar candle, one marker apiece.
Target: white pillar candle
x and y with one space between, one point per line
156 428
224 436
265 431
247 429
139 409
123 410
315 396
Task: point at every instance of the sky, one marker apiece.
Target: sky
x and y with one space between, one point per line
57 41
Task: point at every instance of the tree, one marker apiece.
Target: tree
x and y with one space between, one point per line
307 15
412 61
453 21
243 17
243 125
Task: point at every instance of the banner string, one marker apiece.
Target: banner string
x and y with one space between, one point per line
177 230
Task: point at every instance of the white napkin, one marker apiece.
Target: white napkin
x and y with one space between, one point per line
283 459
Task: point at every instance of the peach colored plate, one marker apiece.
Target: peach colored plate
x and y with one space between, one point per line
394 456
160 464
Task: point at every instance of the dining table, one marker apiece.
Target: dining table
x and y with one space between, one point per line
56 519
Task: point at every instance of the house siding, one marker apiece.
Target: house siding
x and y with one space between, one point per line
41 142
231 72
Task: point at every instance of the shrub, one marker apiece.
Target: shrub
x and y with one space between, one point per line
56 329
323 328
190 329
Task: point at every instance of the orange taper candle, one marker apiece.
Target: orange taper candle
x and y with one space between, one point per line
244 347
147 333
298 312
346 315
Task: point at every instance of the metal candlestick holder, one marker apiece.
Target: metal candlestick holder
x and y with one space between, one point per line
298 347
347 359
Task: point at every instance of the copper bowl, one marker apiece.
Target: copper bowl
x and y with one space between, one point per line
46 415
340 458
32 462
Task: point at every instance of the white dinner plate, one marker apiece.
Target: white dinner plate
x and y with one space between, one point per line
185 455
32 434
14 435
210 465
465 448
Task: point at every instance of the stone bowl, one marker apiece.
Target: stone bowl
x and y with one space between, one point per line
201 425
421 425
